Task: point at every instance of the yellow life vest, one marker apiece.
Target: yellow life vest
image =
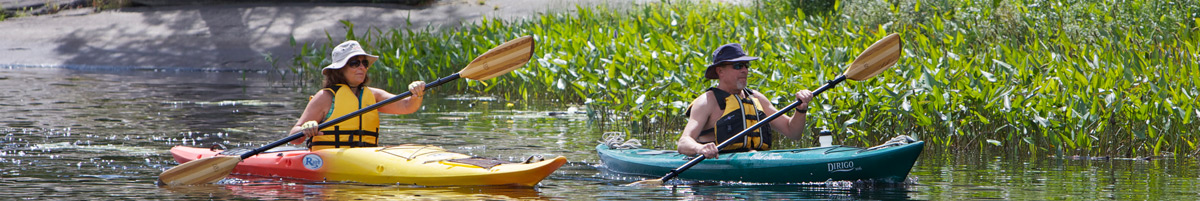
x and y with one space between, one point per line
361 131
737 115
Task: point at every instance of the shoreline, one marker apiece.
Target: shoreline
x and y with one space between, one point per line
229 37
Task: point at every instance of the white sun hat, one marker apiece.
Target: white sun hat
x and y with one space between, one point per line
343 52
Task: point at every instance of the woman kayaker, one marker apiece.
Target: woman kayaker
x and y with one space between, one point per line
729 108
344 91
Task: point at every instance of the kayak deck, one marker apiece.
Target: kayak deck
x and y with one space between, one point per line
819 164
405 164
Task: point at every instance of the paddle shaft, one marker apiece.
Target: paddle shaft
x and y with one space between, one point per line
694 161
352 115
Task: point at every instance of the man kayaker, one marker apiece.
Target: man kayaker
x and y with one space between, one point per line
344 91
730 107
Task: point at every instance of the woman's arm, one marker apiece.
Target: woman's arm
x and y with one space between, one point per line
317 107
404 106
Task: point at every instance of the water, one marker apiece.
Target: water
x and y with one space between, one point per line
104 134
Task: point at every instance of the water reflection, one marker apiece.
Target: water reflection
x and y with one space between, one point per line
85 135
1008 176
271 188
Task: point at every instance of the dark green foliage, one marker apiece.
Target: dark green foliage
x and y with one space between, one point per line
1040 76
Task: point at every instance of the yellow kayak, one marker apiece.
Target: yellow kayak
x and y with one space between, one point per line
424 165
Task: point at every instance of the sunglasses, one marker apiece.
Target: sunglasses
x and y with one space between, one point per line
357 62
740 65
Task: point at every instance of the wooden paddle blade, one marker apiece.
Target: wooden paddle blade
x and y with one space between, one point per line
880 56
203 171
500 60
647 183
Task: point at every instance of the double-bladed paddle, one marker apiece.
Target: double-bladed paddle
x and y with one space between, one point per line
495 62
880 56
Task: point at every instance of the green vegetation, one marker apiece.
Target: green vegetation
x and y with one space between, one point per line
1035 76
54 7
101 5
6 14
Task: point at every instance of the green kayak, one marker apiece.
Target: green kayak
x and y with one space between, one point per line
890 162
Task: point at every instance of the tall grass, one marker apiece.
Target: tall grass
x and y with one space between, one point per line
1052 76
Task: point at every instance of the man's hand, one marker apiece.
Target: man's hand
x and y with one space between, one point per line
805 96
709 150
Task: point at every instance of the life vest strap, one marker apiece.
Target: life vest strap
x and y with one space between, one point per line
726 127
340 144
348 139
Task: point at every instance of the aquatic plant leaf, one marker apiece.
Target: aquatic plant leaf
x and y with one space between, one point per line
1032 61
1041 121
1006 66
847 123
981 117
988 76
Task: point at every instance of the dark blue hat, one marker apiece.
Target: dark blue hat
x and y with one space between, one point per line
726 53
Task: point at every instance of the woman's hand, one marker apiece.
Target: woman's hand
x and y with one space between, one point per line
417 88
310 129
